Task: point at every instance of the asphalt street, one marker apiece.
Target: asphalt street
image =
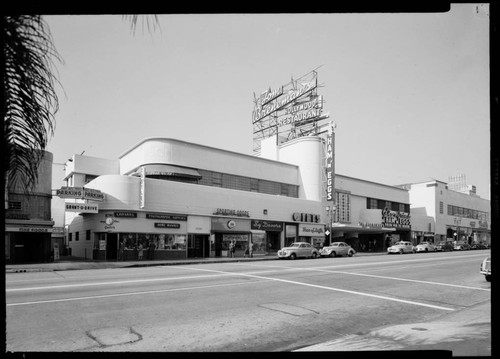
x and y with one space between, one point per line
428 301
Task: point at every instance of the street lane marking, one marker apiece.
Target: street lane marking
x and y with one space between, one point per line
328 288
134 281
400 279
129 294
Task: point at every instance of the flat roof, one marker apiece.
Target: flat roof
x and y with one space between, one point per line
167 139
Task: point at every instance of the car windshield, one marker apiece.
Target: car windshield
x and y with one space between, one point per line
296 245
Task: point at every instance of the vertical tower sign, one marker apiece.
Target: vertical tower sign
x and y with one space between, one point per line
330 163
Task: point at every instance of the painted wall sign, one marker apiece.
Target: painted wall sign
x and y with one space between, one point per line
306 217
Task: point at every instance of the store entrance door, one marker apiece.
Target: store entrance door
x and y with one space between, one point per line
273 242
111 246
198 246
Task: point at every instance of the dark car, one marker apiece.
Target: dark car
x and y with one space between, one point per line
461 246
478 246
444 246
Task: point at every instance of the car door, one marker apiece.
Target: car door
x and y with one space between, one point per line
302 251
342 249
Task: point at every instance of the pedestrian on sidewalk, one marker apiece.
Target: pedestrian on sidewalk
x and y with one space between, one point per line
250 249
120 251
151 250
140 251
230 251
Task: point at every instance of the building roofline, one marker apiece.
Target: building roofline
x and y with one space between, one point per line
201 146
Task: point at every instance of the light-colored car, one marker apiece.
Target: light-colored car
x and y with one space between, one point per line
298 249
337 249
401 247
425 247
485 268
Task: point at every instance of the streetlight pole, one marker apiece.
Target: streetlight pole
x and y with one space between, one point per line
457 223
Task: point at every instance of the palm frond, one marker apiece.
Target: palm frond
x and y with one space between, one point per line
30 101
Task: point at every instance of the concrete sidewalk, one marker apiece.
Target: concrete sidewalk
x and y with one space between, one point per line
75 263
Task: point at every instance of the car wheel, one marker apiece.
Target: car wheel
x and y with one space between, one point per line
401 251
293 256
333 254
488 278
315 255
350 253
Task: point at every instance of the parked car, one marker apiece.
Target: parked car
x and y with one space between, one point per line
461 246
478 246
298 249
425 247
401 247
486 268
337 249
444 246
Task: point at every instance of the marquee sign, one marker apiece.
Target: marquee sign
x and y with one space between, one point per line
393 219
291 110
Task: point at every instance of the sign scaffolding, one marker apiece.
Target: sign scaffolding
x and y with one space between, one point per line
290 111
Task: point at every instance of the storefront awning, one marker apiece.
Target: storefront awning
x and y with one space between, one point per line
168 170
360 229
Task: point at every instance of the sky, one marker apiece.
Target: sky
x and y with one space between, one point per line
408 92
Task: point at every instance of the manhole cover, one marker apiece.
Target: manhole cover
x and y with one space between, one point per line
287 308
114 336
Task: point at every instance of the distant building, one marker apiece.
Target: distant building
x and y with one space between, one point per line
28 222
456 215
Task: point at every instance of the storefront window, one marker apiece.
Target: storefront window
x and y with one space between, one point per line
259 242
175 241
241 241
290 233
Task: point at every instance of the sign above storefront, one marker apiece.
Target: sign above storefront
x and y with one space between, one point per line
306 217
167 225
124 214
82 207
266 225
29 229
80 193
393 219
231 212
166 216
311 230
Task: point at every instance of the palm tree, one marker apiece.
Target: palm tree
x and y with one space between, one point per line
30 101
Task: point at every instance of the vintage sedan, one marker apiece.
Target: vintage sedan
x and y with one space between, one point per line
444 246
401 247
298 249
461 246
337 249
425 247
485 268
